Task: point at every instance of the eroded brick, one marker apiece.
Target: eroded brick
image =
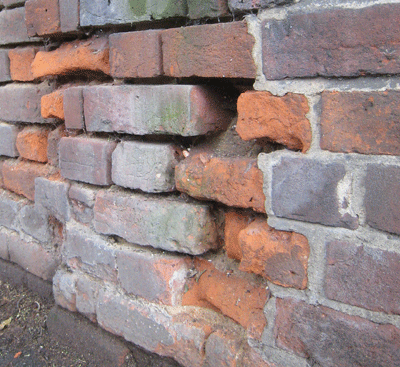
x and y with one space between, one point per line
20 63
52 105
32 143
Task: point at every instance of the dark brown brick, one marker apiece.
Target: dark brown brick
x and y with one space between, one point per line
42 17
334 42
213 50
363 276
136 54
382 197
361 122
330 338
12 26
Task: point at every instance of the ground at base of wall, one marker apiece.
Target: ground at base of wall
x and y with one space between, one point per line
33 333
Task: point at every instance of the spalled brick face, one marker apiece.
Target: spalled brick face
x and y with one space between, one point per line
348 340
361 122
382 197
32 143
20 63
52 105
320 44
209 51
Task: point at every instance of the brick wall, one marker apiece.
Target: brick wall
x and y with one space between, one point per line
214 181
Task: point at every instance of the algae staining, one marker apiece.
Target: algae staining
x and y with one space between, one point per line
138 7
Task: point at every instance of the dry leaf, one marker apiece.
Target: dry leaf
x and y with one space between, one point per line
5 323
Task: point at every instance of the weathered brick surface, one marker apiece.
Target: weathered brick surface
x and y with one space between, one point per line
9 3
382 197
149 167
214 50
82 202
246 5
234 223
92 54
10 206
279 256
53 145
136 54
161 109
361 122
238 298
19 176
87 290
160 222
8 138
86 160
32 143
4 66
279 119
64 289
157 277
362 276
42 17
53 196
334 42
20 63
331 338
12 26
73 108
69 15
234 182
207 9
32 257
307 190
103 12
35 222
52 105
21 102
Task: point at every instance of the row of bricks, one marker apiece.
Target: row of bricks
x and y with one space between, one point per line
183 56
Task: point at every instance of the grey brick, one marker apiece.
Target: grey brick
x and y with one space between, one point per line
10 206
8 138
4 66
12 26
35 222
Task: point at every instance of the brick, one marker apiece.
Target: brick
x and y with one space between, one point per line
52 105
69 15
307 190
4 66
85 194
4 254
53 145
207 9
279 256
32 257
20 63
8 138
64 289
154 109
333 42
211 51
361 122
53 196
32 143
9 3
234 223
86 160
381 200
90 252
42 17
136 54
73 108
247 5
35 222
128 12
157 277
2 160
12 26
232 181
91 54
149 167
237 298
19 176
362 276
279 119
87 290
21 102
10 206
347 340
166 223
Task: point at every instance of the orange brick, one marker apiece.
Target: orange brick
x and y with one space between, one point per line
52 105
32 143
20 63
279 119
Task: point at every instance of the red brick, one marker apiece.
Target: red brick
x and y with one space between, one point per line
136 54
12 26
279 256
212 50
92 54
86 160
331 338
19 176
73 108
234 223
20 63
279 119
232 181
361 122
52 105
333 42
42 17
363 276
238 298
32 143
